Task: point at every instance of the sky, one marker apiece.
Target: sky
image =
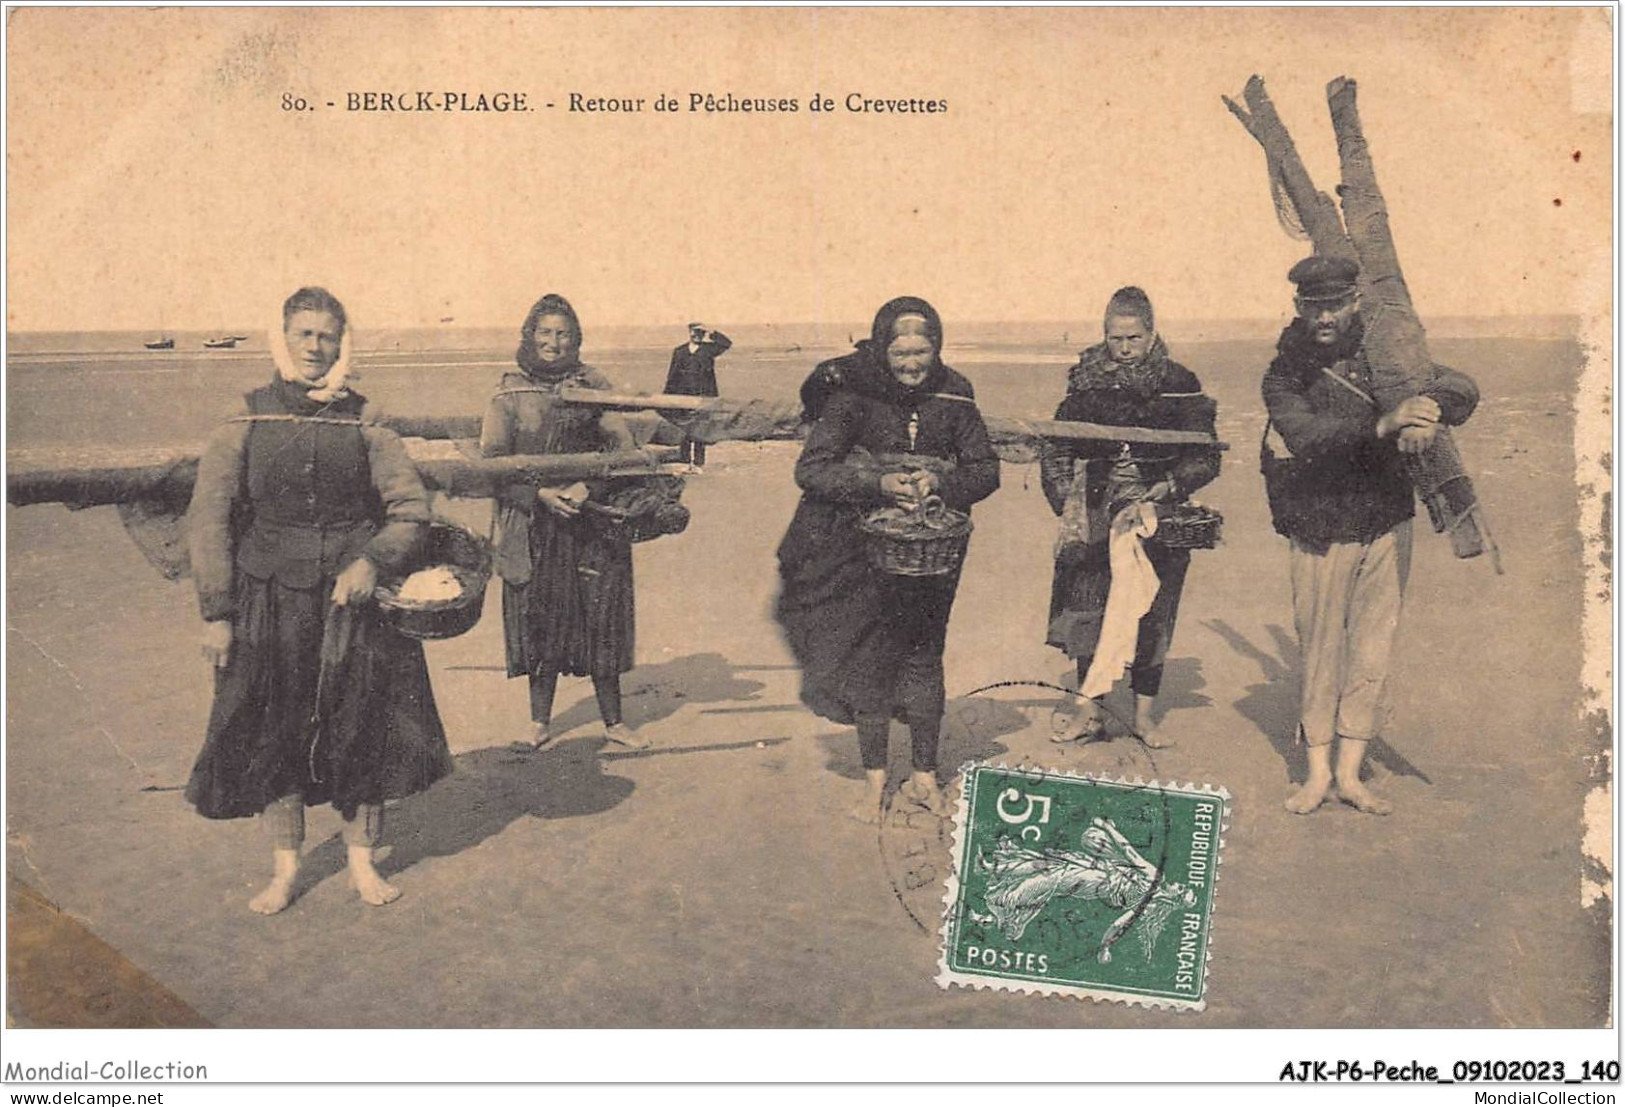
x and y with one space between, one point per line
155 179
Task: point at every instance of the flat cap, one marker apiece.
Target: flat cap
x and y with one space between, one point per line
1324 278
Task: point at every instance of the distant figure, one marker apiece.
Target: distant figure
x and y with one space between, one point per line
1338 488
693 372
300 504
894 425
567 604
1126 380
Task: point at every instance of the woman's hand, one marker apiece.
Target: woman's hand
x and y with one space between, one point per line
216 642
908 489
356 582
898 488
1161 492
560 501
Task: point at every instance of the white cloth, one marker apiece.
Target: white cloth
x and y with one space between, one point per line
333 384
1133 588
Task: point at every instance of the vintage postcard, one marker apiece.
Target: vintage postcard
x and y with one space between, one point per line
518 516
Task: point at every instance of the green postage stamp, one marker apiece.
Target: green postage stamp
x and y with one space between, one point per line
1071 885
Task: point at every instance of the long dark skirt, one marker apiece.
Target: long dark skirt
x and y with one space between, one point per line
1078 604
868 643
380 737
576 614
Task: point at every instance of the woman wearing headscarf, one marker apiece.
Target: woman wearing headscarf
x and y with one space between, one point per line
1126 380
894 425
567 604
300 505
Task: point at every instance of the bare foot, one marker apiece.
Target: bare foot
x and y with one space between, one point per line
870 807
279 893
372 888
1361 798
921 790
540 735
1350 756
1153 738
375 889
1310 796
1083 723
276 896
623 735
1145 728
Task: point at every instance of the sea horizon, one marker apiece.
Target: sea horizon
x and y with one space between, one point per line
790 337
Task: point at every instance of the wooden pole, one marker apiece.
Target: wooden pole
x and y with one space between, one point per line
81 478
787 417
1395 343
1316 211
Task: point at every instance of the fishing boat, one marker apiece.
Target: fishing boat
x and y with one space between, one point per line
224 342
165 340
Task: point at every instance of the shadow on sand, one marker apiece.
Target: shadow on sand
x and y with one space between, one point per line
971 727
651 693
1272 705
494 786
490 789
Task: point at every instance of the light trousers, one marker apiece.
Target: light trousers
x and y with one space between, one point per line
1346 603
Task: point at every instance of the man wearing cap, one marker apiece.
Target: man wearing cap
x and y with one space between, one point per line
693 372
1338 488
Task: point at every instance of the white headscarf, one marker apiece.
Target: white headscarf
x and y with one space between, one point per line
332 385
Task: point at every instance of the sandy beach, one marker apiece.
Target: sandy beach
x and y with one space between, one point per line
713 881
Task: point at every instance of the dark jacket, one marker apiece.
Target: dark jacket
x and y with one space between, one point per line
694 372
296 502
1176 403
868 413
1342 483
949 428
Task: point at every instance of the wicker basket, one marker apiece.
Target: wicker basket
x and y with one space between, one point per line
929 541
639 509
468 556
1188 527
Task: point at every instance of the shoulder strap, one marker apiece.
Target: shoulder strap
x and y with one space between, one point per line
327 419
1348 384
579 379
521 389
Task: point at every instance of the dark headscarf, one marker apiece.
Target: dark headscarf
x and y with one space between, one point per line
881 335
865 370
545 372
